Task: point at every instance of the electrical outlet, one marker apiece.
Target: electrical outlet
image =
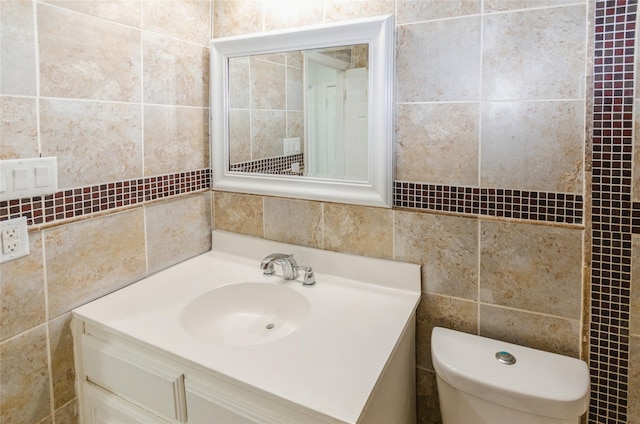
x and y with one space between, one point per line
10 245
15 239
10 233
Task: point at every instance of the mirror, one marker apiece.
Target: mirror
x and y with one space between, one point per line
306 112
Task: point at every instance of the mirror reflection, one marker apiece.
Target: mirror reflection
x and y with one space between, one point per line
300 113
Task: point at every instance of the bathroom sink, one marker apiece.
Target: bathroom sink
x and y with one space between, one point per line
249 313
262 346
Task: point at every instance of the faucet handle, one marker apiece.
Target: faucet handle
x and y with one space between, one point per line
309 276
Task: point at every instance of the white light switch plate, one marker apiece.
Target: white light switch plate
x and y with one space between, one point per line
291 145
32 177
14 239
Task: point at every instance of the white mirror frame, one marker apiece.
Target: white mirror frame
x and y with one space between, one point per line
378 33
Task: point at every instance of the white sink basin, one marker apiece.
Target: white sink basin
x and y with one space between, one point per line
249 313
211 312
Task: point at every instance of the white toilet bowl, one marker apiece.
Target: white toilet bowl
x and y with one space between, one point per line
479 382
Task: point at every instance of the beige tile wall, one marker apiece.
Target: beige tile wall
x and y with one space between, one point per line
488 94
117 91
497 101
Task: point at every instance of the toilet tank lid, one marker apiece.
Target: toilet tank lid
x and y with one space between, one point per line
539 382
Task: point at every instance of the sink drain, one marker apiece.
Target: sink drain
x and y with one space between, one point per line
269 326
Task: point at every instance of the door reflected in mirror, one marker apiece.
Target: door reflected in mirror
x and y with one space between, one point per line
301 113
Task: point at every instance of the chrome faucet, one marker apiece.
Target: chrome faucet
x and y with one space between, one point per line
289 268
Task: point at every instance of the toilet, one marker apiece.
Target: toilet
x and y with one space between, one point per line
481 380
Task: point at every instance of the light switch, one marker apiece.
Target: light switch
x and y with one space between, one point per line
20 179
29 177
41 176
291 145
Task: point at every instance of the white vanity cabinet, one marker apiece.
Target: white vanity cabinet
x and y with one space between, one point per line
350 361
121 381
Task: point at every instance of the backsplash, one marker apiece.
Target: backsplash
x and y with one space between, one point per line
501 194
85 201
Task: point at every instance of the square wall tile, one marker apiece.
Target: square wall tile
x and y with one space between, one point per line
62 360
295 88
293 221
18 53
24 394
94 141
239 83
546 52
239 213
533 145
83 57
268 84
438 143
112 256
22 289
279 14
340 10
441 311
18 127
543 332
428 10
127 12
532 267
295 126
359 230
268 128
177 230
428 404
237 17
491 6
634 380
426 69
175 139
175 72
445 246
239 135
188 20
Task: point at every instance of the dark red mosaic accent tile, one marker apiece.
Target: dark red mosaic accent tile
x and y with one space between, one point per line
614 216
72 203
275 165
635 218
506 203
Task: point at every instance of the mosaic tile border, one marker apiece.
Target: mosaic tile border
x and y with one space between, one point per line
274 165
614 216
76 202
506 203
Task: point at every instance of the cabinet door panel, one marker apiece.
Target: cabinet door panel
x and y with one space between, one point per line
202 411
104 408
138 377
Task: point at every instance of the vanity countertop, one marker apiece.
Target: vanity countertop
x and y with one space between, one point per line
359 308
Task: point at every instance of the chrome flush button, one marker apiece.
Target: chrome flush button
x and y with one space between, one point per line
505 358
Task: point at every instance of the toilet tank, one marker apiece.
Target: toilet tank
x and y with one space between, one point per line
538 383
